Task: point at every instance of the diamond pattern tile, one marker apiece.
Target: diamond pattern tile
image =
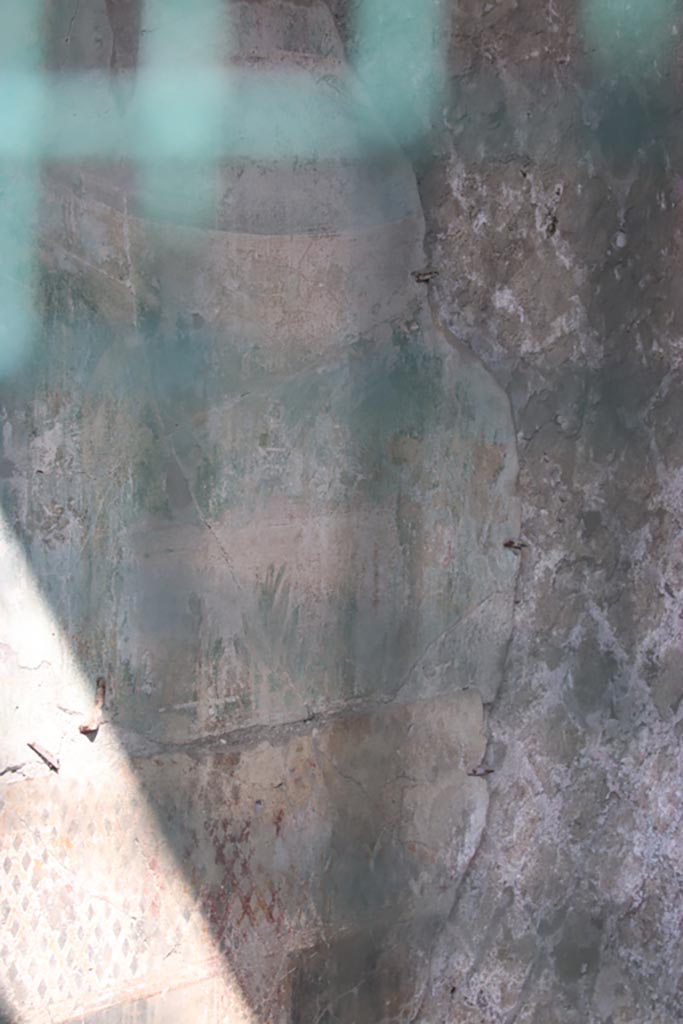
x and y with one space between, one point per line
88 907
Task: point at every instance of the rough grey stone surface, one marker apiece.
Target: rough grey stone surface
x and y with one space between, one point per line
554 217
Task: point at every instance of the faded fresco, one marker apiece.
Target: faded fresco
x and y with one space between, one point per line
250 481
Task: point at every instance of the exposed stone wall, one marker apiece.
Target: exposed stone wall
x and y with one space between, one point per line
554 222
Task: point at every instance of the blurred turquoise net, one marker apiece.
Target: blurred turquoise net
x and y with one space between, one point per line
187 110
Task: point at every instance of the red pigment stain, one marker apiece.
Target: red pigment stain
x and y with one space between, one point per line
278 821
245 900
265 908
